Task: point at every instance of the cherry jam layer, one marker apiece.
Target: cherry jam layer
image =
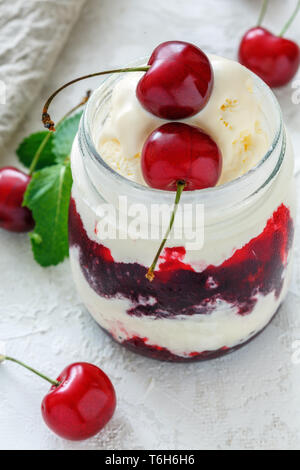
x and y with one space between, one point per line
257 269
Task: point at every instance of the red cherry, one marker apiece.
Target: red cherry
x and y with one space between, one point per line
82 404
180 152
178 157
179 82
273 58
13 216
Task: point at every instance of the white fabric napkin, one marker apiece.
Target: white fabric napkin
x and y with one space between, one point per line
32 33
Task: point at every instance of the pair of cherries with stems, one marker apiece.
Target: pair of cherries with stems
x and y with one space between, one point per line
13 184
273 58
177 84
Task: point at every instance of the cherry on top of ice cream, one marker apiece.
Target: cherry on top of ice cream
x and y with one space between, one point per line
178 83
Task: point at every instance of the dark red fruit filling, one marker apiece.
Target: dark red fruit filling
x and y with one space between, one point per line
257 268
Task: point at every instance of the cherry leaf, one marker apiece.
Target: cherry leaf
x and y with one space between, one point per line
48 197
37 142
64 136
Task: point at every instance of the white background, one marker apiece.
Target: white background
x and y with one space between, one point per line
247 400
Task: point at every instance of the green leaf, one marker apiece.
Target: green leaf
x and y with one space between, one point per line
64 136
48 197
28 148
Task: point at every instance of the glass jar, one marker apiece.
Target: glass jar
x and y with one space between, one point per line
204 302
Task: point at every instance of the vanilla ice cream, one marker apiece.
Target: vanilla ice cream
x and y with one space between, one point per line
233 117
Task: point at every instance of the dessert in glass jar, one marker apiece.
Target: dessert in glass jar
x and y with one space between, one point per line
205 302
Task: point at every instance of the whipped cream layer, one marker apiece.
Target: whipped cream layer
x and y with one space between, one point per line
233 117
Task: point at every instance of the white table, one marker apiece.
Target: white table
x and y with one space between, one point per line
250 399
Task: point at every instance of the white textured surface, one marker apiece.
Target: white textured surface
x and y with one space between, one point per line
247 400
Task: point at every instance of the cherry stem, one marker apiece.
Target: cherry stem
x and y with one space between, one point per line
7 358
263 12
47 137
288 24
180 187
46 119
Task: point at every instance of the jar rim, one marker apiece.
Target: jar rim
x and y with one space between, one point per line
204 195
